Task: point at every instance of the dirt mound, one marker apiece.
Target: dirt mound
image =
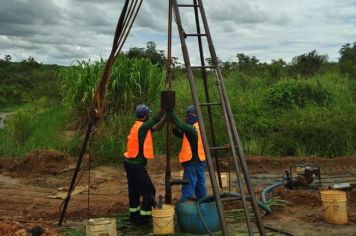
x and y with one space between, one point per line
8 164
43 162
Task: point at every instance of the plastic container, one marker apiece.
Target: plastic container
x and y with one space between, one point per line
190 221
163 220
224 179
101 227
334 206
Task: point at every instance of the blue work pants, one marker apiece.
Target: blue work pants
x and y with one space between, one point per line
195 173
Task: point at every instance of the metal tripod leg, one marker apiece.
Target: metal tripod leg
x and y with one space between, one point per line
200 121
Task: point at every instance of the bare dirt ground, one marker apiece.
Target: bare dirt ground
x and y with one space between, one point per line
25 187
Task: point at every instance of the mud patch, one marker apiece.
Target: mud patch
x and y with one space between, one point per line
299 197
25 200
42 162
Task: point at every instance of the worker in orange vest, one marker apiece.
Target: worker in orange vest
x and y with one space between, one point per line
139 149
192 155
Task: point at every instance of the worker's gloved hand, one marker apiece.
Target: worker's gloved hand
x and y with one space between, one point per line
170 110
162 112
170 115
162 121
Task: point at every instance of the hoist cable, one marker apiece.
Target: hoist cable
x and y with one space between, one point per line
130 23
97 105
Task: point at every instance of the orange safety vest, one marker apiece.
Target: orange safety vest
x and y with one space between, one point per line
132 143
186 151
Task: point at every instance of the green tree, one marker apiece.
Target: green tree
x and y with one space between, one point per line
156 56
136 52
308 64
31 61
228 66
275 69
246 63
209 61
7 58
150 52
347 62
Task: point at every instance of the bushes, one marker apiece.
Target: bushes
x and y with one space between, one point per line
296 117
293 93
314 132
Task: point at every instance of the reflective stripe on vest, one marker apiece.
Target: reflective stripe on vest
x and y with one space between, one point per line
132 143
186 151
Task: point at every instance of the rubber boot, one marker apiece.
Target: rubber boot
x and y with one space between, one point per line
134 216
142 220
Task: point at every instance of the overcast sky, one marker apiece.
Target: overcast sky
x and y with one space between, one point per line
62 31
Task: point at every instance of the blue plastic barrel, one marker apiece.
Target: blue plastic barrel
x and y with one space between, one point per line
190 221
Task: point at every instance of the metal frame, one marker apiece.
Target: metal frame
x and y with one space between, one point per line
229 119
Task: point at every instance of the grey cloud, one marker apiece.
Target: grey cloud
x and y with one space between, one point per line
61 31
29 12
96 1
153 15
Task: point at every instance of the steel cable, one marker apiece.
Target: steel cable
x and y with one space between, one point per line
97 105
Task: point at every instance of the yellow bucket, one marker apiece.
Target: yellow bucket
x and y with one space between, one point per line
334 206
163 220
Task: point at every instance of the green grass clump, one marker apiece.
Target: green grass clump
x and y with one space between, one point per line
19 126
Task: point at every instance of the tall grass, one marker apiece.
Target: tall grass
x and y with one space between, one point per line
132 81
19 126
27 130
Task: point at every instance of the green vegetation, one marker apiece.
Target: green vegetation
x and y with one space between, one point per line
132 81
347 60
25 82
36 127
304 108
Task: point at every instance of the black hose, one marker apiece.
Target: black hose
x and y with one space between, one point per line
278 230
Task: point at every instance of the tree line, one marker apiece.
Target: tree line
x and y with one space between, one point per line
304 65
